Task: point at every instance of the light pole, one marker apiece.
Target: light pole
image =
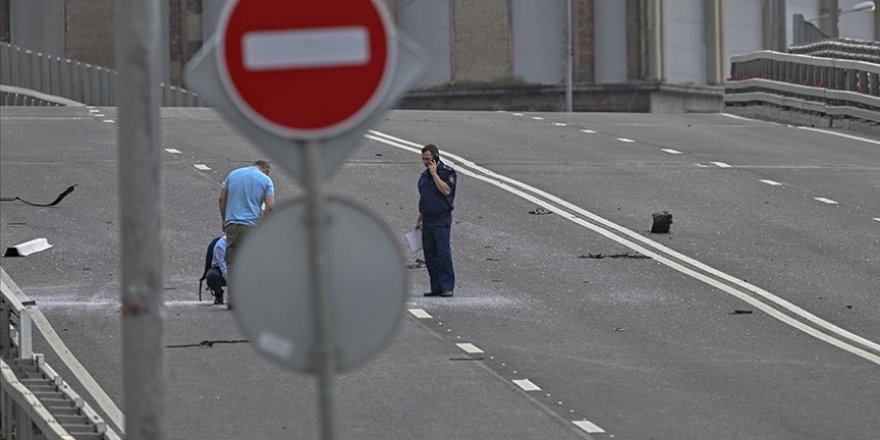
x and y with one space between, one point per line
835 12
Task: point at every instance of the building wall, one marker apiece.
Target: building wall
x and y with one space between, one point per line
481 40
539 32
428 23
685 42
37 25
743 27
610 25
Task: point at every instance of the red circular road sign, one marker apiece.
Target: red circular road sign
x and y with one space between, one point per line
306 69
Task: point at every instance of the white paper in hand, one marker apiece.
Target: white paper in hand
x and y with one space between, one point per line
414 238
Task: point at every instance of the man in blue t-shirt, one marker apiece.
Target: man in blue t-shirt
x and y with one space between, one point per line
244 192
436 201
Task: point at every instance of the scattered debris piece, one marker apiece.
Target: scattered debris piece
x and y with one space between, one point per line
540 211
662 221
493 259
209 344
28 248
625 255
418 264
619 329
42 205
741 312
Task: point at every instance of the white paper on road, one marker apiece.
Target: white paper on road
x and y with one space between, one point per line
414 238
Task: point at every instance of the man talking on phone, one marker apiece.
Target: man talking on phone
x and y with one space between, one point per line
436 201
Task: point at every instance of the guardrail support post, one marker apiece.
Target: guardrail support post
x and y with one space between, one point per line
25 335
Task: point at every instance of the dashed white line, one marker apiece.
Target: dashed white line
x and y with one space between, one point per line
626 140
771 182
825 201
94 110
420 313
99 115
201 166
721 164
670 151
877 218
588 131
526 385
537 118
588 426
469 348
560 124
843 135
517 114
109 120
173 150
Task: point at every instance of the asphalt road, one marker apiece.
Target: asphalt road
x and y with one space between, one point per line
757 317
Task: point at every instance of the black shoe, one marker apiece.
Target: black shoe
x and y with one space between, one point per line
433 293
446 293
229 305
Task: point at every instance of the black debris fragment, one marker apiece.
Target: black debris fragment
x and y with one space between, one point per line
662 221
741 312
42 205
493 259
209 344
540 211
625 255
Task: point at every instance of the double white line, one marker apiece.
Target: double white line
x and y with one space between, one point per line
755 296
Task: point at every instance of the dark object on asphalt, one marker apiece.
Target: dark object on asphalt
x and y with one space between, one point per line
540 211
742 312
626 255
662 220
209 258
42 205
418 264
210 344
444 294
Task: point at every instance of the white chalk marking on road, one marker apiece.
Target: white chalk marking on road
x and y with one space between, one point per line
560 124
825 201
720 164
201 166
588 426
420 313
843 135
588 131
626 140
316 47
670 151
749 293
109 120
771 182
517 114
526 385
469 348
537 118
173 150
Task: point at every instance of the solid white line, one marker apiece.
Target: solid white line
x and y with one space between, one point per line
560 124
588 426
843 135
720 164
201 166
825 201
626 140
771 182
108 120
588 131
670 151
877 218
310 48
738 117
469 348
505 183
173 150
420 313
517 114
537 118
526 385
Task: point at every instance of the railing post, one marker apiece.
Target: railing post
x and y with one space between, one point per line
25 335
5 340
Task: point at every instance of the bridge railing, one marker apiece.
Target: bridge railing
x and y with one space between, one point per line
81 82
825 86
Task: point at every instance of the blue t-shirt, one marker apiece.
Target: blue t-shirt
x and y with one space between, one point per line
246 189
432 203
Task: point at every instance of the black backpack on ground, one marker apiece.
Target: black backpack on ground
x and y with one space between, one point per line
209 257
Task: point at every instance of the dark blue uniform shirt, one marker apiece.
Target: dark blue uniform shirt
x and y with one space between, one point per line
433 205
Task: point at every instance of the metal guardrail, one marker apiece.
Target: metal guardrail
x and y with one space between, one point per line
81 82
35 402
832 87
10 95
841 49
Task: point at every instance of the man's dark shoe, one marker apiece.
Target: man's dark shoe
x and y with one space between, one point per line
229 305
218 299
446 293
433 293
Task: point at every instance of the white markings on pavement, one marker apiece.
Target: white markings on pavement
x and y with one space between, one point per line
537 118
517 114
670 151
420 313
109 121
843 135
774 306
626 140
99 115
94 110
588 131
771 182
173 150
825 201
469 348
560 124
877 218
526 385
302 49
201 166
588 426
720 164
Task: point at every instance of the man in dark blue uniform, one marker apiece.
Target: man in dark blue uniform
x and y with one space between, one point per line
436 201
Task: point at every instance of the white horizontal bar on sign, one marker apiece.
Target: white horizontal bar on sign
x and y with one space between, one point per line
320 47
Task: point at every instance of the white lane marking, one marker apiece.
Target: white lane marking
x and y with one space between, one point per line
537 118
560 124
588 131
420 313
469 348
843 135
108 120
670 151
94 110
877 218
720 164
526 385
505 183
201 166
76 368
300 49
588 426
771 182
173 150
738 117
99 115
517 114
825 201
626 140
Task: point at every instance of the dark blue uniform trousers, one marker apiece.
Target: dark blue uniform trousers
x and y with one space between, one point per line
438 253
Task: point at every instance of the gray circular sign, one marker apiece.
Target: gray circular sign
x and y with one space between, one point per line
271 285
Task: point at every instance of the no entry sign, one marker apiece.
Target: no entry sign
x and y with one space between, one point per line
306 69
